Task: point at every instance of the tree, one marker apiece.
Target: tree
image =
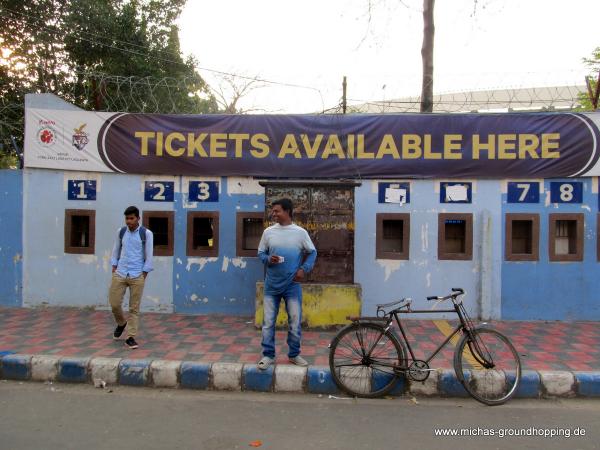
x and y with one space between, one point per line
96 54
427 56
593 65
229 90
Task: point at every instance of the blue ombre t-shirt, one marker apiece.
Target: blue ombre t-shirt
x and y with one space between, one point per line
294 244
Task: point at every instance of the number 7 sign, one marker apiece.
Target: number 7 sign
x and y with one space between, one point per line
523 192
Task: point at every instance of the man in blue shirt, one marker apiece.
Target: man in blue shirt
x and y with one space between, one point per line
289 254
131 262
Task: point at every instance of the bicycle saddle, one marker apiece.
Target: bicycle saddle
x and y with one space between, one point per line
406 301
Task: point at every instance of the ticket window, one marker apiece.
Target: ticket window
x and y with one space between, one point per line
392 236
161 225
80 231
455 236
522 237
202 233
566 237
249 230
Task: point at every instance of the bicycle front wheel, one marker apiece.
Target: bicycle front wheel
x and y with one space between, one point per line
488 366
364 358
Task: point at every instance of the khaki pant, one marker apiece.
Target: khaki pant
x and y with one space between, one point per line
115 298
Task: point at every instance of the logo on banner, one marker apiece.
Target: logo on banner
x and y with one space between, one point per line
80 137
47 134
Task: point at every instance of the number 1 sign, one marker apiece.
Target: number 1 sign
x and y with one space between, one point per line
81 190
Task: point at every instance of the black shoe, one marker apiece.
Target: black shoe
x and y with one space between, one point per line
130 342
119 331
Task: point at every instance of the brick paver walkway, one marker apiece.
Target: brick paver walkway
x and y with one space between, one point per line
85 333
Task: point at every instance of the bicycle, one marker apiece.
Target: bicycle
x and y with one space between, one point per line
366 357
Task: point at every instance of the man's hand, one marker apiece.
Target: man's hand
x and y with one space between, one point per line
114 269
299 275
274 259
145 274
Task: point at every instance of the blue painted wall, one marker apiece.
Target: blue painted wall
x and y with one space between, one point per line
11 238
52 277
423 274
554 290
223 284
226 284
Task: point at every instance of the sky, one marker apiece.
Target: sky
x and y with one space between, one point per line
483 44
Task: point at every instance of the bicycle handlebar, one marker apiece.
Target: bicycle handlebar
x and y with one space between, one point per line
455 293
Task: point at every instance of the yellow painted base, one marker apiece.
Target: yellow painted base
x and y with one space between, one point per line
323 305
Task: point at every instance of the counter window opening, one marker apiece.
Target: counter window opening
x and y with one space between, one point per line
80 231
522 237
161 225
249 229
203 233
392 236
455 236
565 234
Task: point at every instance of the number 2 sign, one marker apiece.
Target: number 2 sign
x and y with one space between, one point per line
159 191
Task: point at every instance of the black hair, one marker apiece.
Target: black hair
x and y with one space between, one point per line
286 204
132 210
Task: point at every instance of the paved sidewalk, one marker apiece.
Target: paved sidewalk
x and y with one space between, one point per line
85 333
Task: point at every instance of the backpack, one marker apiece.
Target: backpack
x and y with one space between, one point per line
142 232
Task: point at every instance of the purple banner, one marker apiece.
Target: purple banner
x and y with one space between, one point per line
352 146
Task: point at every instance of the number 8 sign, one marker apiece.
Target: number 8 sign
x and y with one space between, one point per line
566 192
203 191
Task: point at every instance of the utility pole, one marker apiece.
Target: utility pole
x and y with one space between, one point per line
344 102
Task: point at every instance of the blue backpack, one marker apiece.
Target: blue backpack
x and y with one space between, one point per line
142 232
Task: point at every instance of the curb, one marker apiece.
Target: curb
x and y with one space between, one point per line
280 378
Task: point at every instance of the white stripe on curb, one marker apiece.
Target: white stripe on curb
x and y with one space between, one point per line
165 373
558 383
227 376
44 368
105 369
290 378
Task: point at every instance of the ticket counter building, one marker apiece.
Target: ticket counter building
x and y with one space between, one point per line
505 206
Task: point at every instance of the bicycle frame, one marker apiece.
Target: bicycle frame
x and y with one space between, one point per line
462 326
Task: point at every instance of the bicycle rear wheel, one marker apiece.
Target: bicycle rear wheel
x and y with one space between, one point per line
488 366
363 359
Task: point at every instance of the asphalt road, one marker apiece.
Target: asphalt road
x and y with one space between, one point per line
61 416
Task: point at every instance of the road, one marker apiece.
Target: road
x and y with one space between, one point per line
62 416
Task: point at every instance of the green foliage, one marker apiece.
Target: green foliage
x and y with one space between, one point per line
593 64
68 47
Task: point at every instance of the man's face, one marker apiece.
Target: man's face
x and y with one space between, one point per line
279 215
132 221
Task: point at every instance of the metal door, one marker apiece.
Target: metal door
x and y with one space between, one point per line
327 213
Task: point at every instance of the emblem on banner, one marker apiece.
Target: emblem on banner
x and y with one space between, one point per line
47 134
80 137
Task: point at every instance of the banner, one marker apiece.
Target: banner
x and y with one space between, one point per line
509 145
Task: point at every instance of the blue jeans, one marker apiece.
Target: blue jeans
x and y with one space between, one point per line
293 306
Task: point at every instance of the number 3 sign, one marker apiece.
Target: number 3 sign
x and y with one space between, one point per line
203 191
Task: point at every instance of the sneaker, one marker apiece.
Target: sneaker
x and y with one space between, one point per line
265 363
119 331
299 361
130 342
